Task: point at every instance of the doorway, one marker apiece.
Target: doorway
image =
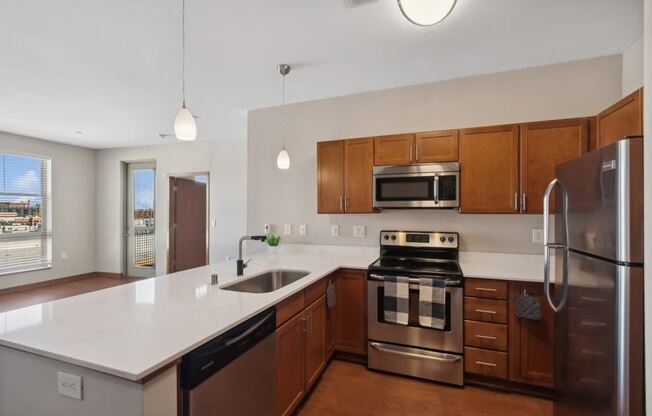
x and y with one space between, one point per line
141 216
188 229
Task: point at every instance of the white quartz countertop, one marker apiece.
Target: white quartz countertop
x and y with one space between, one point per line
132 330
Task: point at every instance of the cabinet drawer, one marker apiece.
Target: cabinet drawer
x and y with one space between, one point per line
485 362
484 335
484 288
315 291
485 310
289 307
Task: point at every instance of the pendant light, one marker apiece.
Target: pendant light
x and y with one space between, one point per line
283 158
426 12
184 123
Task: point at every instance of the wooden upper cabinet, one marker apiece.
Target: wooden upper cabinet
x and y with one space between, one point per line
531 343
544 145
436 146
489 169
358 175
397 149
330 177
625 118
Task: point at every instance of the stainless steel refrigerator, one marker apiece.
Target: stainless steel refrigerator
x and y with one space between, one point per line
597 251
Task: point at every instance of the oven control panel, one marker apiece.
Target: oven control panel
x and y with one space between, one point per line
419 239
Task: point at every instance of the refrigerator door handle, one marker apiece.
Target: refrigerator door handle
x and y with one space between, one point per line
548 246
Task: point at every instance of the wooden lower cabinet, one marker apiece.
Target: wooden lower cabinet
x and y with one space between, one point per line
502 346
315 346
351 312
330 323
531 343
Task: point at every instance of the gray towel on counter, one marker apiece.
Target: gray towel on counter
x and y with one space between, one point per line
331 295
396 302
432 303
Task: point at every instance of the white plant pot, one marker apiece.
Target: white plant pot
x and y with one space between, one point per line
272 249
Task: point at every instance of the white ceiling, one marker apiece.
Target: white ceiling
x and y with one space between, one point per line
111 69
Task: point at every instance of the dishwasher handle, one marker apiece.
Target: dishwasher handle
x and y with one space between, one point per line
204 361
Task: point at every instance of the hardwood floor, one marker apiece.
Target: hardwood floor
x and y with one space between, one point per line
20 298
348 389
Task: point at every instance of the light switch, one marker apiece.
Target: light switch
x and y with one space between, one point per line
335 230
303 229
537 236
358 231
287 229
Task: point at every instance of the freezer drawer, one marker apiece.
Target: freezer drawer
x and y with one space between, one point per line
416 362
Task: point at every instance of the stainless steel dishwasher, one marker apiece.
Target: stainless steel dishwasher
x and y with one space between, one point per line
233 374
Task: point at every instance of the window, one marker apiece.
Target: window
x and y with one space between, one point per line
25 228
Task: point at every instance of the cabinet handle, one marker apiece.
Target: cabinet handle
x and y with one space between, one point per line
485 364
485 289
411 154
304 324
523 202
516 201
346 204
485 311
486 337
341 204
416 155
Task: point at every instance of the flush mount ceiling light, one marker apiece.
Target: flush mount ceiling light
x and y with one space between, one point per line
184 123
426 12
283 158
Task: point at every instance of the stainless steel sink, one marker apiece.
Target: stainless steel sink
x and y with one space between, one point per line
267 281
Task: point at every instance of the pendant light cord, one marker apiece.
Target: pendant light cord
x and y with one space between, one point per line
183 49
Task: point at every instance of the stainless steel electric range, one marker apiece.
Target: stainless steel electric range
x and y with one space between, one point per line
412 349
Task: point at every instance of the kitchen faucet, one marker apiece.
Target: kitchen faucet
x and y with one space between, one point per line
240 264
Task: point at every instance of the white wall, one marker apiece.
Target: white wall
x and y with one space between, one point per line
647 162
73 207
633 67
558 91
225 161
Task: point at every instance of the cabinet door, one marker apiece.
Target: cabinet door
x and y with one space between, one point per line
394 150
330 177
358 175
290 378
489 169
315 341
351 316
543 146
330 324
437 146
625 118
531 343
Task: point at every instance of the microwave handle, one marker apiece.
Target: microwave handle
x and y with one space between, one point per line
436 188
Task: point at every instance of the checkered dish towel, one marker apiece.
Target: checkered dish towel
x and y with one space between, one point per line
397 300
432 303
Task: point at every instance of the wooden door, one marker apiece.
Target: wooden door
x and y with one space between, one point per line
330 177
358 175
544 145
397 149
290 363
531 343
330 323
437 146
315 347
351 317
188 224
489 169
625 118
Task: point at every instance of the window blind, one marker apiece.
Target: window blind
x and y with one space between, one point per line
25 207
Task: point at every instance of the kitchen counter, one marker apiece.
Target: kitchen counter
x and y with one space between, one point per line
130 331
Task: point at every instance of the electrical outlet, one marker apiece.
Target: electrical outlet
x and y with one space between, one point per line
213 223
303 229
288 229
335 230
358 231
267 229
537 236
69 385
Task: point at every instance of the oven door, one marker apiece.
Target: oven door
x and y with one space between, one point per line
450 339
405 191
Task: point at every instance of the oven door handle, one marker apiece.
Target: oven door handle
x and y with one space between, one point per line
446 358
413 280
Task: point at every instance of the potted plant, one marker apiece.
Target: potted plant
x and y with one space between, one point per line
273 241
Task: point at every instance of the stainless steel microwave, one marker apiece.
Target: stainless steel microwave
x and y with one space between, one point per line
431 185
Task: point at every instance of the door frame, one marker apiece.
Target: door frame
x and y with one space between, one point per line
128 168
171 237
